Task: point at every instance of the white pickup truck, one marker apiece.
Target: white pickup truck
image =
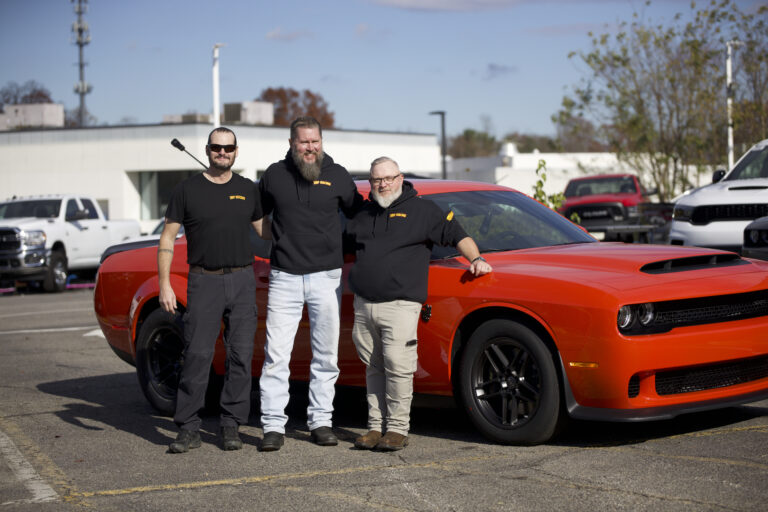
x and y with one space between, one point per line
43 237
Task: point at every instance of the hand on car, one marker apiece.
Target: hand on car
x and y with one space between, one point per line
480 267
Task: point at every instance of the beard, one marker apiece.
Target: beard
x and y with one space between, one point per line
386 202
310 171
221 165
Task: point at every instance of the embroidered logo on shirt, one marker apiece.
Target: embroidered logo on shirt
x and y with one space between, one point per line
320 182
242 198
450 216
403 215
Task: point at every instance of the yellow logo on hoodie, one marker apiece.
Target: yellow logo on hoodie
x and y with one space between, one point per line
320 182
242 198
403 215
450 216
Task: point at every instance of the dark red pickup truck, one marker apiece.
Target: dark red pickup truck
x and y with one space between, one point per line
613 205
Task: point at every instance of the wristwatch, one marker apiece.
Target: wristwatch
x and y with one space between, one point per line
478 258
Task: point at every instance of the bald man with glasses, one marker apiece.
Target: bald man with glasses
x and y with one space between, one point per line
393 236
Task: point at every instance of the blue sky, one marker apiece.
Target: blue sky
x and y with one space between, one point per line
380 64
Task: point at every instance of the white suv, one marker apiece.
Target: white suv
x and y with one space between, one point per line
716 215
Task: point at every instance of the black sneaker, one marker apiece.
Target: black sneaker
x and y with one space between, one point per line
324 436
185 441
230 440
272 441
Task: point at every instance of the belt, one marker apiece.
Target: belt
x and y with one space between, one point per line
196 269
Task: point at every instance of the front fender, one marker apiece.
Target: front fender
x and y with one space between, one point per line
146 296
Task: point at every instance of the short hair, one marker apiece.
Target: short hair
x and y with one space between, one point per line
221 129
305 122
381 160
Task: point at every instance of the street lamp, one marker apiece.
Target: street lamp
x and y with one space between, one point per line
729 93
216 115
443 151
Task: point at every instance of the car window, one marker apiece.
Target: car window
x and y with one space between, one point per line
753 165
71 209
88 205
501 220
44 208
601 185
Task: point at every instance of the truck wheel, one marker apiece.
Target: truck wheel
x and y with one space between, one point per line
56 279
508 384
159 359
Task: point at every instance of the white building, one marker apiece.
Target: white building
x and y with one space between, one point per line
37 115
131 170
518 170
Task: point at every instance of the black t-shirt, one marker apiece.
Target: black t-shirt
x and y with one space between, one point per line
393 246
217 219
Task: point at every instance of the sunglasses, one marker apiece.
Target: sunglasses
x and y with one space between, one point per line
228 148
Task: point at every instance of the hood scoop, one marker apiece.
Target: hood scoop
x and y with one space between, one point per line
693 263
749 187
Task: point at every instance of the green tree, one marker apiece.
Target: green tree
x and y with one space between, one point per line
472 143
290 104
657 92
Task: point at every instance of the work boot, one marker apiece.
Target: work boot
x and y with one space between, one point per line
272 441
368 441
324 436
230 439
392 441
185 441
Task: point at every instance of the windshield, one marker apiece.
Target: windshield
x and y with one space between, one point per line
41 208
601 185
753 165
500 220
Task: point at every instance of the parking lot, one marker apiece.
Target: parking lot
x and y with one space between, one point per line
76 433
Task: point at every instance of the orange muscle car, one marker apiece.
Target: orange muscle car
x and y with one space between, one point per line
563 326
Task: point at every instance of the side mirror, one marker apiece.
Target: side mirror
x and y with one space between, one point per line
717 175
78 215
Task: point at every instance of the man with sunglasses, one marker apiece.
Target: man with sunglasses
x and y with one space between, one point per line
303 193
393 236
217 208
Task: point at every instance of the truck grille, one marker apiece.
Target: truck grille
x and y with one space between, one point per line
9 240
719 212
597 212
712 376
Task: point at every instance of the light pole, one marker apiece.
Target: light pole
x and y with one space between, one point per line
443 151
729 94
216 114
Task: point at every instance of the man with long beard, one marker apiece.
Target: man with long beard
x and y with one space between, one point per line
393 235
217 208
304 193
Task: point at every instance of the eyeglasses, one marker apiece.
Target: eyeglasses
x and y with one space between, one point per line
386 179
228 148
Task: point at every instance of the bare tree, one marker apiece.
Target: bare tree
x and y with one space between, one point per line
30 92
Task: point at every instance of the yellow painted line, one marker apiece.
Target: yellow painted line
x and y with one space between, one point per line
268 478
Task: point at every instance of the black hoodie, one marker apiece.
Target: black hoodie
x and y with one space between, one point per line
393 246
306 227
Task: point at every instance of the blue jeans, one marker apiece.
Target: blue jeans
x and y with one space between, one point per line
288 293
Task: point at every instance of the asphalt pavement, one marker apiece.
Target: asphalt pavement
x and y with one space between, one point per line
77 434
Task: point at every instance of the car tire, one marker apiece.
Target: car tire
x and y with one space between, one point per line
56 276
508 384
159 358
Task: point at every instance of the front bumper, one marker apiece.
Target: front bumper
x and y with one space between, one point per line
725 235
28 264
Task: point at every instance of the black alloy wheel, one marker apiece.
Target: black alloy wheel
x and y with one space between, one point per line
159 358
508 384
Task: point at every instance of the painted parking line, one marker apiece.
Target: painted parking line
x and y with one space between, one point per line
44 312
40 491
55 329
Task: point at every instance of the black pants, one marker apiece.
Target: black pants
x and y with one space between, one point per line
212 298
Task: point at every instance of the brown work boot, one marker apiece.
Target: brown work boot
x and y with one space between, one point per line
368 441
392 441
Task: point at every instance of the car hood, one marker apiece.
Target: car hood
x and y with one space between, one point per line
24 222
617 267
728 192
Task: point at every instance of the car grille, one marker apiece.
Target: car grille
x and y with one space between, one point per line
597 212
718 212
9 240
711 376
634 386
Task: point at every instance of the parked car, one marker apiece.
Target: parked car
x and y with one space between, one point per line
148 240
42 238
564 326
716 215
615 207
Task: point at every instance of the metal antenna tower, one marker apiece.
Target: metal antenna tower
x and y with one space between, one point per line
82 38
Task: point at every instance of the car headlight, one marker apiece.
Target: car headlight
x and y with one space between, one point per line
33 238
635 318
754 236
682 213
